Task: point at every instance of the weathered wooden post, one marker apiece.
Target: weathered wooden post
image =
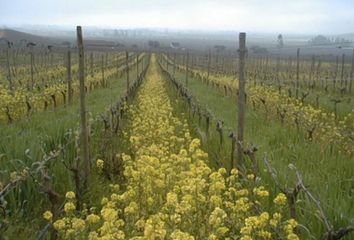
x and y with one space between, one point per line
277 67
107 60
209 61
137 66
187 69
241 100
127 69
174 64
91 63
68 71
297 72
143 63
223 64
351 75
83 133
192 61
117 63
32 67
103 66
342 71
9 77
312 68
335 74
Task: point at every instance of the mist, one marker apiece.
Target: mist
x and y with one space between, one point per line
302 16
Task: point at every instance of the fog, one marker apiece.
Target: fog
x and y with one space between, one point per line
300 16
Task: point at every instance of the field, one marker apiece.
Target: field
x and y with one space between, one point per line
175 144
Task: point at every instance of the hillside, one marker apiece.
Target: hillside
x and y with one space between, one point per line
16 37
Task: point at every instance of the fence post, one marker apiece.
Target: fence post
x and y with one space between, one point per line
103 65
32 70
335 74
209 61
127 69
137 66
84 134
312 69
68 69
342 71
351 75
91 63
277 67
174 64
297 72
8 67
241 100
187 69
222 64
117 63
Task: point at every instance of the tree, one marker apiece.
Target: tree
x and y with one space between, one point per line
280 41
320 40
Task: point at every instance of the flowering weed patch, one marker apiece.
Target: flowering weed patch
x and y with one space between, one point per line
171 192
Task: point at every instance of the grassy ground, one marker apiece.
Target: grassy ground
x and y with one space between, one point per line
26 141
328 174
325 99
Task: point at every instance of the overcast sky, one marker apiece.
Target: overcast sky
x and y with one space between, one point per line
290 16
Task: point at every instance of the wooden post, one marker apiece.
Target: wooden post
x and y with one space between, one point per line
277 67
312 70
174 64
103 66
266 68
335 74
297 72
167 58
187 69
83 133
222 64
351 75
342 71
91 63
46 60
9 77
107 60
117 63
318 72
209 61
32 71
127 69
143 63
241 100
137 66
68 69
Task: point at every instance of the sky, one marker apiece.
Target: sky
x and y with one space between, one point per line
288 16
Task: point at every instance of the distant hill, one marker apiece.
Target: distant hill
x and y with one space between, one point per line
16 37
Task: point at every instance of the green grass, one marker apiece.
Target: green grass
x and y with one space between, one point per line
39 134
325 98
327 173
